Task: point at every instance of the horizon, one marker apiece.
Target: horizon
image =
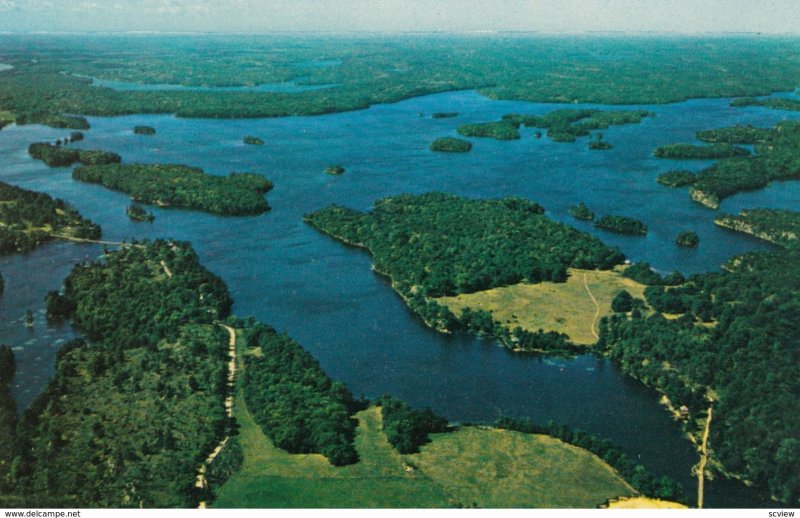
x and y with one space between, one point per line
668 17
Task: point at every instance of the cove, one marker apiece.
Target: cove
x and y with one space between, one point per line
326 297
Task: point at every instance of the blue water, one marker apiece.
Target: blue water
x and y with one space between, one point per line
325 295
289 87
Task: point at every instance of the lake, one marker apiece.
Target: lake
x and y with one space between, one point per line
324 294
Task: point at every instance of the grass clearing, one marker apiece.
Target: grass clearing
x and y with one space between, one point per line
563 307
488 467
642 502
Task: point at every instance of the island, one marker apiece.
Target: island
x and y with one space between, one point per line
567 124
581 212
450 145
781 227
621 225
144 130
55 155
677 178
688 239
465 246
692 152
28 219
600 145
444 115
253 141
334 170
180 186
774 103
137 213
776 155
500 130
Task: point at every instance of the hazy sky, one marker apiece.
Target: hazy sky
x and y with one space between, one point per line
683 16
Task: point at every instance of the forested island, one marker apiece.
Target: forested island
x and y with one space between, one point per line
600 145
461 246
567 124
692 152
733 362
679 178
688 239
621 225
180 186
334 170
581 212
781 227
59 156
28 219
776 158
500 130
144 130
450 145
137 213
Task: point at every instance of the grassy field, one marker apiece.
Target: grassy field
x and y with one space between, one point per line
563 307
641 502
472 466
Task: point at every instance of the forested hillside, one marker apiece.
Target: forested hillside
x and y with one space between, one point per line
131 413
742 361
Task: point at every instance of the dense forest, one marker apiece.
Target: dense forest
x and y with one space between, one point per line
690 151
635 474
60 156
621 225
41 86
781 227
777 157
450 145
294 402
436 244
500 130
29 218
184 187
9 448
742 361
566 125
132 411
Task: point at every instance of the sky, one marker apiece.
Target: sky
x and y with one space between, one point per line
260 16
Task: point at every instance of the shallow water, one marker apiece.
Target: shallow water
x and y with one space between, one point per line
325 295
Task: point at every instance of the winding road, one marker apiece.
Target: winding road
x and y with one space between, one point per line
701 467
202 482
596 305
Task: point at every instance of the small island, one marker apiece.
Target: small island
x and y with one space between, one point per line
677 178
600 145
688 239
621 225
566 125
253 141
500 130
137 213
450 145
444 115
334 170
581 212
144 130
180 186
781 227
693 152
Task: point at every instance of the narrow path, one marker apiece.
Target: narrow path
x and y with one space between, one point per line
95 241
201 481
596 305
169 272
701 467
